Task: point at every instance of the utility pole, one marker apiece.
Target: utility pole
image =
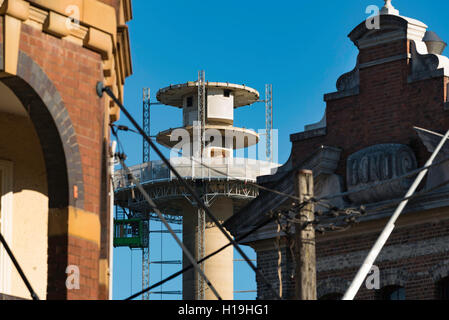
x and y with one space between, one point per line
305 273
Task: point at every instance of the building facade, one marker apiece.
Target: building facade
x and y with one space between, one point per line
55 143
366 138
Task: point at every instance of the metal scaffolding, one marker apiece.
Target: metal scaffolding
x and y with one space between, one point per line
146 123
146 264
146 158
164 193
201 246
269 120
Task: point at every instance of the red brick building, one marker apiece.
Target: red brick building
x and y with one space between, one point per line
54 141
367 136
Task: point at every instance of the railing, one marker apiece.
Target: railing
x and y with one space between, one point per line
224 169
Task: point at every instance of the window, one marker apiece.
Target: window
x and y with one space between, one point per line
218 153
443 289
392 293
227 93
332 296
5 224
190 102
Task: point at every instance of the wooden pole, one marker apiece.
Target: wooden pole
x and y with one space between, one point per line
305 273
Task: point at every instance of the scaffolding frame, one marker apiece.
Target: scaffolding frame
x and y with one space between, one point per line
146 123
269 120
146 101
230 189
201 245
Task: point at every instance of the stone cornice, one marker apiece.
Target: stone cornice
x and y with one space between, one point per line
92 13
392 28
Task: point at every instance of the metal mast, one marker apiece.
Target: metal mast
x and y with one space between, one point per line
269 120
146 123
201 214
146 260
146 159
202 110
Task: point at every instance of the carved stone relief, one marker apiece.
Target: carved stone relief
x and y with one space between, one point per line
379 163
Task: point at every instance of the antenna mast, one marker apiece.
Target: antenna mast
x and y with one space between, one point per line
269 120
201 214
146 123
146 221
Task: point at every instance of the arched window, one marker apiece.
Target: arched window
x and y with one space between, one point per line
332 296
392 293
443 289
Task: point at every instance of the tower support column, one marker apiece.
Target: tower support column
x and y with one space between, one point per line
218 269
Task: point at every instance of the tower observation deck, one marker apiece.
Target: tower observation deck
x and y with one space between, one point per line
207 141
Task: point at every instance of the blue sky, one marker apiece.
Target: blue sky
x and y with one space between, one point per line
301 47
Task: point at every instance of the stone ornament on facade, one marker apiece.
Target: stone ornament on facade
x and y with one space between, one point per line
378 163
389 9
384 109
425 64
350 80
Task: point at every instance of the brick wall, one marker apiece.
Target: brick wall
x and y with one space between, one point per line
415 257
84 254
56 82
410 258
267 261
385 110
74 71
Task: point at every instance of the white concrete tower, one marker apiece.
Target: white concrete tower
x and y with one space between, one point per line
218 177
221 100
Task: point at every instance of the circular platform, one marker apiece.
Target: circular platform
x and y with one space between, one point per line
218 179
246 137
173 95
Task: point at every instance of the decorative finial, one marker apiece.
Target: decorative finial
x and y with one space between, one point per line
389 9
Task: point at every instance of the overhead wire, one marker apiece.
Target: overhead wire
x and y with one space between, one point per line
189 188
8 250
337 195
164 221
383 182
333 210
395 202
176 274
316 200
258 186
271 217
331 227
173 234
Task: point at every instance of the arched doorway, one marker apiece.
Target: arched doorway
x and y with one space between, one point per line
38 141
